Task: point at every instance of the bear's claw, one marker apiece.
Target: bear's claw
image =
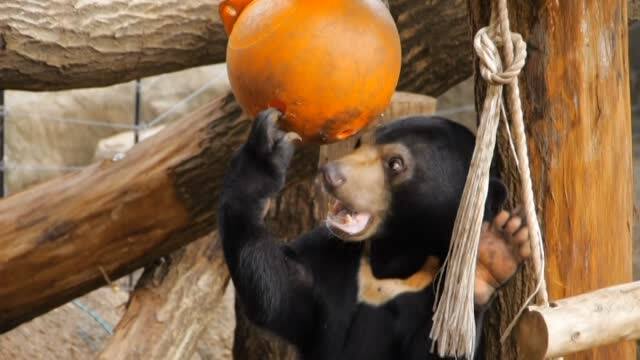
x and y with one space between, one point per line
270 144
292 136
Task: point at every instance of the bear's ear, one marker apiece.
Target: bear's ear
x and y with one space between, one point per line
496 197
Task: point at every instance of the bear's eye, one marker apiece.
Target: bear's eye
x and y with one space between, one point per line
396 164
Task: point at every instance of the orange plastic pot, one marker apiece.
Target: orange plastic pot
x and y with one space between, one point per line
331 66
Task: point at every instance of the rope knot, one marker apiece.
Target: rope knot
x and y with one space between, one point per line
491 67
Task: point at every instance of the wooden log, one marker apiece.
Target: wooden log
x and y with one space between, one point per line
579 323
575 93
173 304
64 44
62 238
175 299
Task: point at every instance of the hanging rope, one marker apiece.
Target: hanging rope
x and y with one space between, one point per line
454 329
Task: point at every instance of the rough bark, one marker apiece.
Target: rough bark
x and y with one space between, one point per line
300 208
114 217
173 304
575 92
63 44
436 53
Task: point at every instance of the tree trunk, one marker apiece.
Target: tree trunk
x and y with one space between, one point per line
116 216
299 209
173 304
64 44
575 92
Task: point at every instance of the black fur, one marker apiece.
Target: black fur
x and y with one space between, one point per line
306 291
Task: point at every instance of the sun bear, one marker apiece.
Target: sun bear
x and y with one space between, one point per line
361 285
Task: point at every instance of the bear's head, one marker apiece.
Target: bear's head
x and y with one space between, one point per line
401 193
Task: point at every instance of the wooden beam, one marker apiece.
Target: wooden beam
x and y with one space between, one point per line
575 92
579 323
64 44
62 238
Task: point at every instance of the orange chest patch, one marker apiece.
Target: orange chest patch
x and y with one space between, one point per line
376 292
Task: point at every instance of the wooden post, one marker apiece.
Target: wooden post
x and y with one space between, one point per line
575 92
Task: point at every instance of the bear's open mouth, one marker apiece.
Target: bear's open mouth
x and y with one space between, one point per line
343 220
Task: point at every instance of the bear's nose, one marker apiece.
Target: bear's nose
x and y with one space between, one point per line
332 175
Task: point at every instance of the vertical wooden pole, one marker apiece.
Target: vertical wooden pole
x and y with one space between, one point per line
575 90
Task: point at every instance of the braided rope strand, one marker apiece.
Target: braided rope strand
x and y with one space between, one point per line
528 198
453 320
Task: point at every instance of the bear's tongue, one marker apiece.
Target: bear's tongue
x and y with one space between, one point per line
347 220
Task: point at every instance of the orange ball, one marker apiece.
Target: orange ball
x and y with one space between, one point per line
331 66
